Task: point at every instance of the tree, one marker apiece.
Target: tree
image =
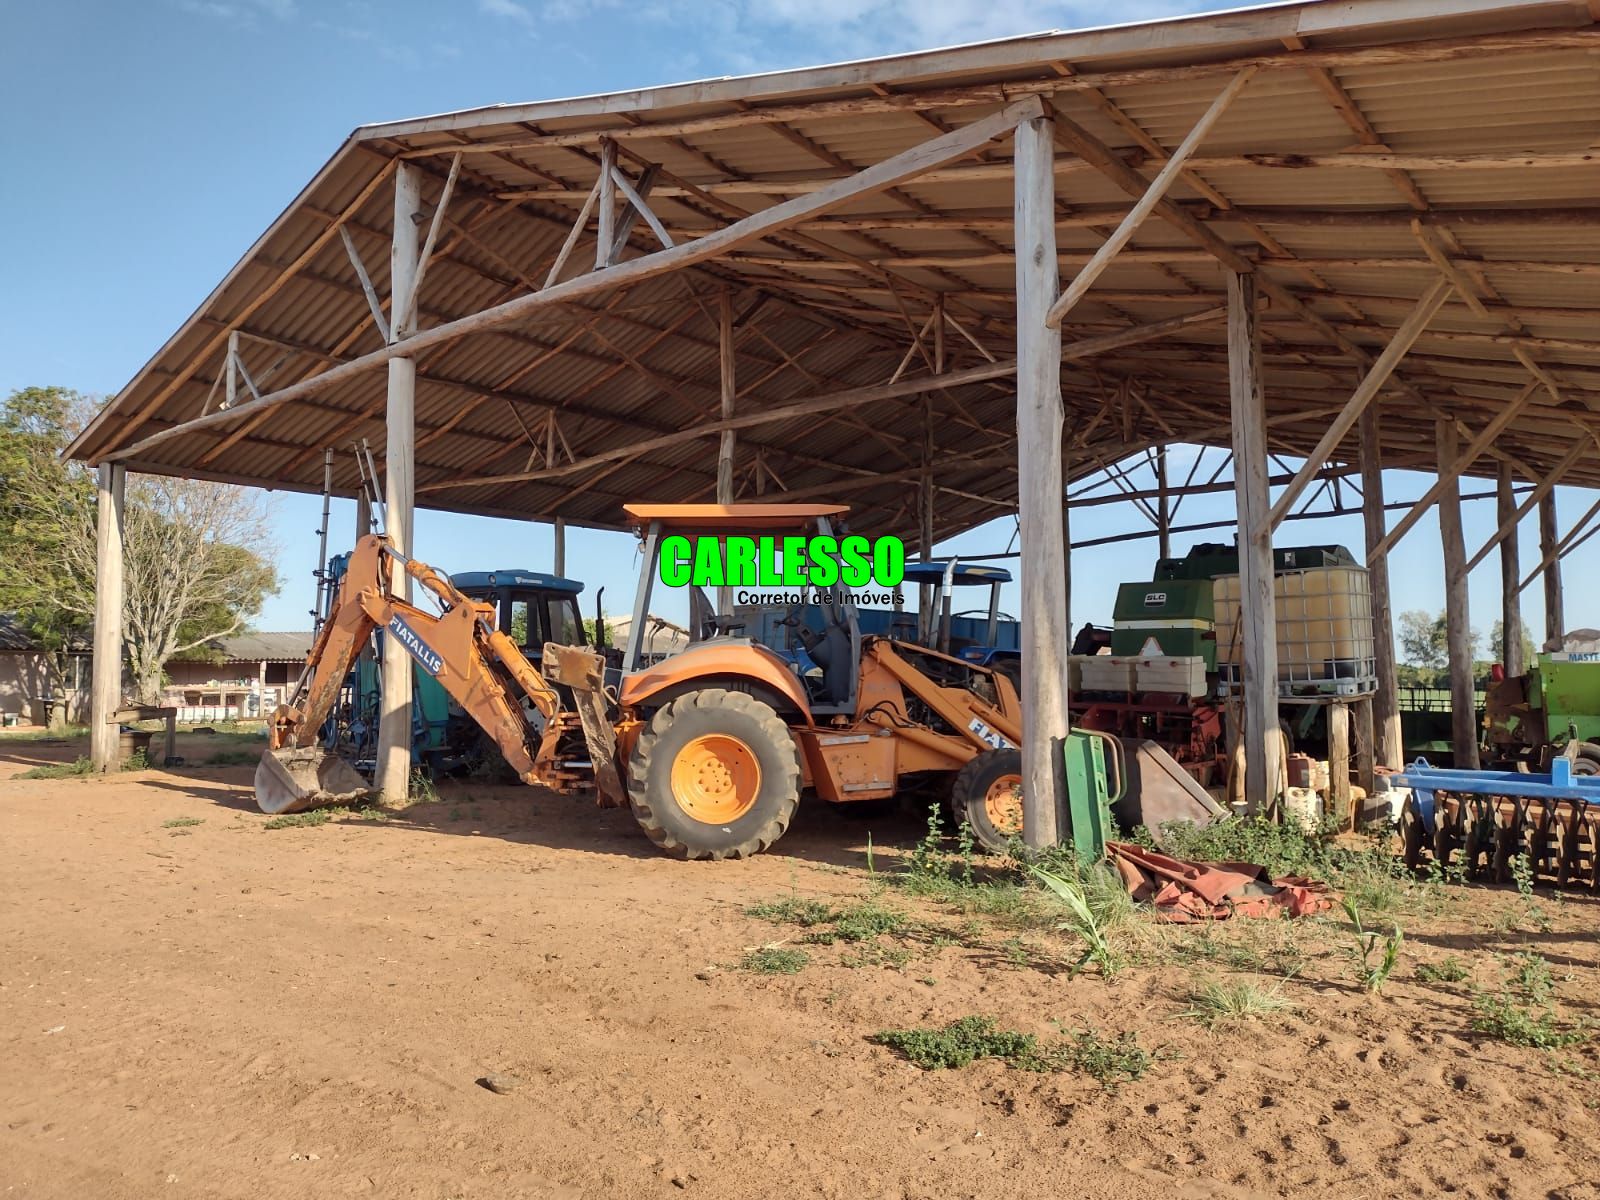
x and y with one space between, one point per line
1425 644
51 607
197 557
1497 642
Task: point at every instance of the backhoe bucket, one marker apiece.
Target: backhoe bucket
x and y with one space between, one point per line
295 779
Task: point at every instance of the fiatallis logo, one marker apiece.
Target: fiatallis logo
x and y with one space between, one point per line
805 562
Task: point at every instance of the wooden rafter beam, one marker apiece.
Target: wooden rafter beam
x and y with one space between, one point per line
1448 475
1431 301
1580 449
1165 178
898 169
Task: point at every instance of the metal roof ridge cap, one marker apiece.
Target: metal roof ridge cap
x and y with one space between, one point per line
601 103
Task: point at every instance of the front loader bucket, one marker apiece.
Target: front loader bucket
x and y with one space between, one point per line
295 779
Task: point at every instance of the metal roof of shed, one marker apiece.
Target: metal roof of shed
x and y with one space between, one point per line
1379 137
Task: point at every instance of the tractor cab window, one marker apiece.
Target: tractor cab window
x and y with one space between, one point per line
522 626
565 623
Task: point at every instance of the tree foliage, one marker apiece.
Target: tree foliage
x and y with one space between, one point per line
197 558
1425 646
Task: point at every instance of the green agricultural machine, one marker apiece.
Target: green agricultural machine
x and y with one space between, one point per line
1552 711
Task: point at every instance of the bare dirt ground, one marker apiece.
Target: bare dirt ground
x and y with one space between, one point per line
214 1008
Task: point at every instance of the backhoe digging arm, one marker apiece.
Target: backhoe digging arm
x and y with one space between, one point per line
476 664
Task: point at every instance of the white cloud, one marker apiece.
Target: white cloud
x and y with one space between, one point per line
509 9
241 12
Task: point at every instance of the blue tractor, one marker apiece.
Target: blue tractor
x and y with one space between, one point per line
983 636
532 606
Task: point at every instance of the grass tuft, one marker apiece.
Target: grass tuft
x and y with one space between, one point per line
82 765
182 822
1217 1003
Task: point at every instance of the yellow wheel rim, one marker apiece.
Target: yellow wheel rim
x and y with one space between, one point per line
1002 804
716 778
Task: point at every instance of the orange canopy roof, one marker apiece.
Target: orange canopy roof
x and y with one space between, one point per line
730 518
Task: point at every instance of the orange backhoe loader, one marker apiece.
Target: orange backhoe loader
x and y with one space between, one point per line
718 741
711 747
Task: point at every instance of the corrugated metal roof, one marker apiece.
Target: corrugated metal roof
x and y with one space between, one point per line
831 304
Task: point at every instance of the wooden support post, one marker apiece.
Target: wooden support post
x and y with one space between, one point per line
1366 745
606 233
927 619
1388 747
725 445
1163 507
230 395
1043 566
1555 618
1339 764
559 555
105 696
1258 622
1458 621
1510 593
394 721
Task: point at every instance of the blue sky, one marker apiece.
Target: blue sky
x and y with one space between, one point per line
151 141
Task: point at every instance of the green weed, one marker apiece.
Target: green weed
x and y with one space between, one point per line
1110 1062
1501 1015
420 789
958 1044
774 960
299 820
871 954
139 760
1447 970
1093 910
1522 875
182 822
859 922
1376 954
81 765
792 910
1523 1010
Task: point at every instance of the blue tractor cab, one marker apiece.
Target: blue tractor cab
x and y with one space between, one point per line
531 606
986 636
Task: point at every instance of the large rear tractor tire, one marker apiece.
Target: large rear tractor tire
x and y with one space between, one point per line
987 795
714 775
1588 759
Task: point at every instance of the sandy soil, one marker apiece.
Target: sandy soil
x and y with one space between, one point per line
216 1009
